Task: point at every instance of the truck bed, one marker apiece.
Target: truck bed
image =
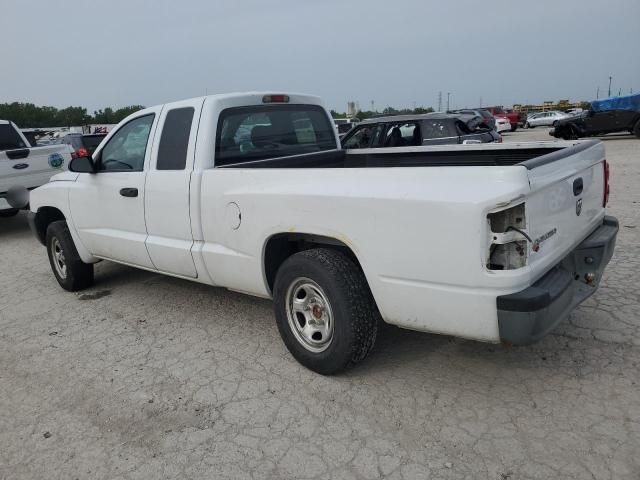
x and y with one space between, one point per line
530 155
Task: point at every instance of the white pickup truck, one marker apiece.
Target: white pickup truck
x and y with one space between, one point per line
493 242
23 167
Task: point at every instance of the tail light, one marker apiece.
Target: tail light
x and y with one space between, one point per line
508 239
81 152
275 99
605 195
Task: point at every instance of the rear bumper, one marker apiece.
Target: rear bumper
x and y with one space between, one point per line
526 316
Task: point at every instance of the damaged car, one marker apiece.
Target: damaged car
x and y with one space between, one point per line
610 115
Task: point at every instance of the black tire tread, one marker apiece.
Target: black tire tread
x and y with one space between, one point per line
636 129
363 312
11 212
79 274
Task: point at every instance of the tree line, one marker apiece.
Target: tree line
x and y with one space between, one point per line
28 115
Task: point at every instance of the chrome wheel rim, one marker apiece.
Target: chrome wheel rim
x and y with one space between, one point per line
309 315
59 262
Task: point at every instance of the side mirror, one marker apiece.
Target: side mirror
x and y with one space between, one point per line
82 165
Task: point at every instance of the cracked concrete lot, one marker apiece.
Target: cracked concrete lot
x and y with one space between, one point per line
145 376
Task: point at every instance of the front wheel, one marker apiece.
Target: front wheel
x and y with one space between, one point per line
70 271
325 312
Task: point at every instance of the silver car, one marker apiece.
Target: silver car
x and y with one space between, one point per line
544 119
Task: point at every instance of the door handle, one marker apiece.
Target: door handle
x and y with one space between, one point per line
129 192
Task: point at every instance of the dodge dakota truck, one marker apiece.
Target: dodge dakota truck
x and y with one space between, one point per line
252 192
23 167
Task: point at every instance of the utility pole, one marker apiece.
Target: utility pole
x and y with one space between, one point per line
373 106
610 77
619 92
480 102
439 101
598 93
448 96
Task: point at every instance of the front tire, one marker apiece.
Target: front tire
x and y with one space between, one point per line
324 309
70 271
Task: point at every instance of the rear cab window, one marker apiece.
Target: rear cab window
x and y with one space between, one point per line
262 132
174 142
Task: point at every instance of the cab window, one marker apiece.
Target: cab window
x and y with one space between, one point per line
437 129
174 142
403 135
360 138
247 134
125 151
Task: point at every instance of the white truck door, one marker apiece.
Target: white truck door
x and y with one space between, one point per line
167 214
108 207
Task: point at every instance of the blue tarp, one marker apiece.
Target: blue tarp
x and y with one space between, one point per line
628 102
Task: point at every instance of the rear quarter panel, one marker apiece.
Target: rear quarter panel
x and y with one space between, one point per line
419 234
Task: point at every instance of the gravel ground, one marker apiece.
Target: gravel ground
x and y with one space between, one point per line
146 376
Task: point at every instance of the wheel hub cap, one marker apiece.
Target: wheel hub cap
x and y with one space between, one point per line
309 315
59 262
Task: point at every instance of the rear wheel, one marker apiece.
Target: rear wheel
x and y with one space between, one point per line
11 212
636 129
324 309
514 127
70 271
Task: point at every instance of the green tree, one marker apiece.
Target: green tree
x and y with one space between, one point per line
72 116
124 112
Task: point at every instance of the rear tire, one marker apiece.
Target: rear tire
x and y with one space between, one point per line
70 271
324 309
636 129
514 128
12 212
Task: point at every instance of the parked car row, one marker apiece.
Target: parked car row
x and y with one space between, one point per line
544 119
611 115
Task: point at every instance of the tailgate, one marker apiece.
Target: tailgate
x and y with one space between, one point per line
32 167
566 200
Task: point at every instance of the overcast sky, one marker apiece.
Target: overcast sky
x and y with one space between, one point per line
395 52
